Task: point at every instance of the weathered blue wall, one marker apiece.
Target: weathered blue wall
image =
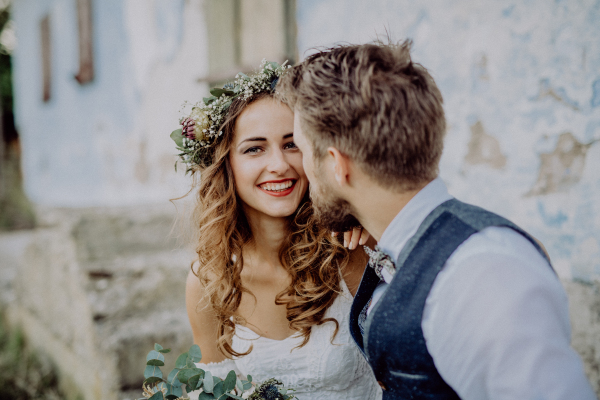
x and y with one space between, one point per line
521 84
105 142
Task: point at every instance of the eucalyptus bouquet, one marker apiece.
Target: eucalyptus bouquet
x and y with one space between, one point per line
185 373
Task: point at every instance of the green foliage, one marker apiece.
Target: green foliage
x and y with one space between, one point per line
23 376
194 378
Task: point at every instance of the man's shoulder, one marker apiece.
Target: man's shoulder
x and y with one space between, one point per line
500 242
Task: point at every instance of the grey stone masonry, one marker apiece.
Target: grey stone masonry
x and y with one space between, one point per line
94 289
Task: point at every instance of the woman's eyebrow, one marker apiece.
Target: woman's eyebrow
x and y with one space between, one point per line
289 135
254 139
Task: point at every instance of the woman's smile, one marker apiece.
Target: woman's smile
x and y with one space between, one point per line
278 188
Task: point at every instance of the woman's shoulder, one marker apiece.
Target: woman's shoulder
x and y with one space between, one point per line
202 317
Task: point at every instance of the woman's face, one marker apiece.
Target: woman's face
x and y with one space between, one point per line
266 164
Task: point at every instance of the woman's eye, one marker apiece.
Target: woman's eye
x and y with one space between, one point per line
252 150
290 145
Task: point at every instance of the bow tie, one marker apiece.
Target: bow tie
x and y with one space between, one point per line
380 261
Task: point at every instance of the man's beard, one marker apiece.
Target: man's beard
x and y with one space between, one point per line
333 213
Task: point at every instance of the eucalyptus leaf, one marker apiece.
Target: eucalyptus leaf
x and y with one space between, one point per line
239 385
173 392
173 379
187 373
247 385
218 390
195 353
208 382
189 363
152 370
157 363
206 396
157 347
155 355
157 396
249 377
229 382
177 136
164 351
181 360
152 380
195 382
242 74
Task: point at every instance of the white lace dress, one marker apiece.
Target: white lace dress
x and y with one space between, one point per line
318 371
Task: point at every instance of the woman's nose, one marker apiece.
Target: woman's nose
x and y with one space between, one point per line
278 163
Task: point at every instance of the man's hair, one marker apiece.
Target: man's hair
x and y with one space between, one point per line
373 104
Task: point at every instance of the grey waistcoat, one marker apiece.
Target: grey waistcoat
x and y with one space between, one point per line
393 342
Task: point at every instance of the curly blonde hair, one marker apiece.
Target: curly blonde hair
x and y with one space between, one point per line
310 255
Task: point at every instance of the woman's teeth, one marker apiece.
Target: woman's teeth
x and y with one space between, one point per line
277 187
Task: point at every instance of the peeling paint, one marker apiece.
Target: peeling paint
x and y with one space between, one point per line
556 220
484 149
558 94
562 168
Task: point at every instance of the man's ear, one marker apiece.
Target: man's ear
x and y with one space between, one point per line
341 165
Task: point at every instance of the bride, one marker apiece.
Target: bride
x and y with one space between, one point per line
271 291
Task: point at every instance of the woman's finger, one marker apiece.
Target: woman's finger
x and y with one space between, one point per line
364 236
347 236
355 237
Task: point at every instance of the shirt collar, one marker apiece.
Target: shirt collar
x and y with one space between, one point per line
405 224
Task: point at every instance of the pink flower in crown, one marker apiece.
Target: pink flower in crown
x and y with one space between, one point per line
195 127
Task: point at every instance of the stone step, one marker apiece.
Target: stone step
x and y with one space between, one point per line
129 340
128 286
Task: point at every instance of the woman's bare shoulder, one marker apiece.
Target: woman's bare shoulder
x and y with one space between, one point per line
202 317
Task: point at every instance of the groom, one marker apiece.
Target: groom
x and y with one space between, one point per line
461 303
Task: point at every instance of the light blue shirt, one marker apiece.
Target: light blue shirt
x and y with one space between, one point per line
496 320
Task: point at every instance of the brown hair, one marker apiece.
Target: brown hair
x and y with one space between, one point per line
373 104
311 256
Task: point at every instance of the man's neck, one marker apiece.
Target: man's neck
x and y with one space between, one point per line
376 207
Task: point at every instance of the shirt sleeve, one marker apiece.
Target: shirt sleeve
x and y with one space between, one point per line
496 323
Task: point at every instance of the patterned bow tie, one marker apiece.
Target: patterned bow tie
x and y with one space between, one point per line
380 261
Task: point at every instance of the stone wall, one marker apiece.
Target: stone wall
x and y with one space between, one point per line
94 289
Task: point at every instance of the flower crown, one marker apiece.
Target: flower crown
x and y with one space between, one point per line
196 146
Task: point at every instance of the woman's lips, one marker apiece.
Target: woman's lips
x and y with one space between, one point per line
282 193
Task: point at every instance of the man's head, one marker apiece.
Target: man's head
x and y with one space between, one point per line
372 105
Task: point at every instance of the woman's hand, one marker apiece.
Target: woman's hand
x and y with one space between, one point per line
354 237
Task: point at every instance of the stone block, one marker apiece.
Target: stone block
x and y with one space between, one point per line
93 291
584 308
